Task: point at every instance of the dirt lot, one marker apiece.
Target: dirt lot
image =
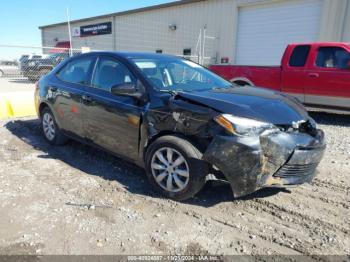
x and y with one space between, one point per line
78 200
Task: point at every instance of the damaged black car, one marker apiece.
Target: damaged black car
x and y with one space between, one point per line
180 122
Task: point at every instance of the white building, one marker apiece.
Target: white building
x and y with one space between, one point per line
238 31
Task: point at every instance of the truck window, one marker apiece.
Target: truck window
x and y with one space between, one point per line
332 57
299 56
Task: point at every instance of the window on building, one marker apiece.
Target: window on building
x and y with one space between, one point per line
110 73
299 56
332 57
187 52
77 71
159 51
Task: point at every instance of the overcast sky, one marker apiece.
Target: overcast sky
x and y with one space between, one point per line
20 19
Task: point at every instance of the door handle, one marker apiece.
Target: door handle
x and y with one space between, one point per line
314 75
87 99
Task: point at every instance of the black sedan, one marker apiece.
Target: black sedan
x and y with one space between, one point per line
179 121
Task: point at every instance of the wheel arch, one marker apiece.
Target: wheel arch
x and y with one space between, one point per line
242 81
42 106
157 136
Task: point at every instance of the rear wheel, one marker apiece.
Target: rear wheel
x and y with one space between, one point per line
175 167
50 129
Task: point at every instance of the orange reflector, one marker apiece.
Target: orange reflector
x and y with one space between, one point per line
222 121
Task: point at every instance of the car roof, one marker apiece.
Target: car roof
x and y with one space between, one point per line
132 55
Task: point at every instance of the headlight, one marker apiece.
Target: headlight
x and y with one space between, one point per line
243 126
31 64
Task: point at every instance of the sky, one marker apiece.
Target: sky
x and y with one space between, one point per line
20 19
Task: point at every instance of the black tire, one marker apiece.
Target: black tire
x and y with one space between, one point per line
198 169
58 139
1 74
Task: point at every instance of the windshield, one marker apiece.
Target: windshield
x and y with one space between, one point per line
168 74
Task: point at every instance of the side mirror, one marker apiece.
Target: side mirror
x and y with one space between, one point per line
127 89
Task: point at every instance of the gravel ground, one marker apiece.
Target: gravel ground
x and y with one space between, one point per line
79 200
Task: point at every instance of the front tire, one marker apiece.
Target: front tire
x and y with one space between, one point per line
51 131
1 74
175 167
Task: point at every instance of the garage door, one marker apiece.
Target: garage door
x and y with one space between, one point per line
265 30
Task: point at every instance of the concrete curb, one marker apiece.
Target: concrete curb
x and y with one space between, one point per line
17 104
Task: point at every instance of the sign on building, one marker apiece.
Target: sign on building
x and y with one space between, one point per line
96 29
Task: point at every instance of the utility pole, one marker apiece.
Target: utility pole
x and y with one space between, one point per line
70 34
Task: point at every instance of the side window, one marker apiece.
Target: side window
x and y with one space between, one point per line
110 73
332 57
77 71
299 56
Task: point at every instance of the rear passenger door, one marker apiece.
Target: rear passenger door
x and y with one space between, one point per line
68 91
112 121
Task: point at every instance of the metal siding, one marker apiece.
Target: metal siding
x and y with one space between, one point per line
346 25
101 42
148 31
265 30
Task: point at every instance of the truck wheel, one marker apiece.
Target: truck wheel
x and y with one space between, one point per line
241 83
1 74
175 167
51 131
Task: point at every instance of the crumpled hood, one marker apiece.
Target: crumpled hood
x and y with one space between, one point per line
256 103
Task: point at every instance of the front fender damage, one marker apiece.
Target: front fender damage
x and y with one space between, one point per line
177 116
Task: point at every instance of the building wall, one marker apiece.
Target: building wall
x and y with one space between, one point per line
332 21
52 35
346 26
149 30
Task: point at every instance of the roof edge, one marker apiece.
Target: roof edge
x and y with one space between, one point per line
132 11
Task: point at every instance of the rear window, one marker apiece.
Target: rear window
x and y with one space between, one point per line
299 56
77 71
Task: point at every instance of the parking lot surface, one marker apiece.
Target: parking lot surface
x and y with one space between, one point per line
78 200
17 84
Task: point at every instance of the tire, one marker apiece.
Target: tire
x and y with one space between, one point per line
1 74
183 185
51 131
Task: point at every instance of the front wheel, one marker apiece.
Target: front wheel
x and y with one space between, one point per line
175 167
50 129
1 74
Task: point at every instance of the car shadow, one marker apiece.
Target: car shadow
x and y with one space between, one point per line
98 163
331 119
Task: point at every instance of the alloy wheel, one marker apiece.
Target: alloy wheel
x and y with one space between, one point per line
49 126
170 169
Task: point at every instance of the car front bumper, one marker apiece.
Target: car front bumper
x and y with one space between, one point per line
277 159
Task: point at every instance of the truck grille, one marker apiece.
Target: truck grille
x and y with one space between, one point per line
288 170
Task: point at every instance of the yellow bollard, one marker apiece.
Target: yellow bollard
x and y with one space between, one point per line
17 104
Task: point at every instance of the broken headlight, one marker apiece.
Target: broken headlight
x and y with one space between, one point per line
243 126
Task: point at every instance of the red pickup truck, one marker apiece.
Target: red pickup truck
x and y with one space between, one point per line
318 74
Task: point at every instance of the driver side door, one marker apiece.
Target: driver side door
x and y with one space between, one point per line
328 80
112 121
